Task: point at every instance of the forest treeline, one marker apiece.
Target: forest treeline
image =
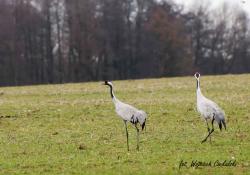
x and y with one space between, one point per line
57 41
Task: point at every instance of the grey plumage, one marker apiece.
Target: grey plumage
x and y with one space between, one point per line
209 109
128 113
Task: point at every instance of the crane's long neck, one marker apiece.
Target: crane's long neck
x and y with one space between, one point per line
112 92
198 90
197 84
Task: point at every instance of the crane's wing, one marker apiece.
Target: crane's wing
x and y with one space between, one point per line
140 116
130 113
212 109
125 111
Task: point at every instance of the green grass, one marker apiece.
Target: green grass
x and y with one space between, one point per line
43 127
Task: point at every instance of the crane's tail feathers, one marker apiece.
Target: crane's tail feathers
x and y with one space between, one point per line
222 122
143 125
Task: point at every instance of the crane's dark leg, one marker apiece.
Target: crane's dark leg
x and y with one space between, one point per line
210 132
208 129
137 136
125 122
212 127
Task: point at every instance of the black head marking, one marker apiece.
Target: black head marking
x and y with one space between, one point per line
105 83
197 75
111 88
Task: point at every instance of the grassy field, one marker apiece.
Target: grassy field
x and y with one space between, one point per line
73 128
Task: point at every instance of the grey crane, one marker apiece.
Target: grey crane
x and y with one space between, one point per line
208 109
128 113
